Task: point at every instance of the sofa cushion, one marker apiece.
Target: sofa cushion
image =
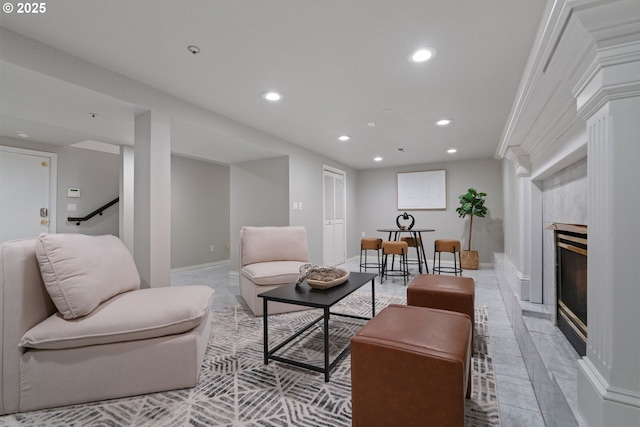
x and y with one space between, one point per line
130 316
262 244
273 273
81 271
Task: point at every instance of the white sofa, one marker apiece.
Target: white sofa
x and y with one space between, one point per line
134 341
270 257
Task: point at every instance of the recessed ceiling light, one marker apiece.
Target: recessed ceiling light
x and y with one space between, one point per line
377 159
423 54
344 137
22 134
452 150
271 96
194 49
443 122
371 124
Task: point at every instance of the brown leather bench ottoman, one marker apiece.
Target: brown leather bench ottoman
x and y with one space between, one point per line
444 292
410 367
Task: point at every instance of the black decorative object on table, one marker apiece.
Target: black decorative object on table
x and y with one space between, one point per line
405 216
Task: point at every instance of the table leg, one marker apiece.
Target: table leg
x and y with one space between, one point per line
266 331
373 297
326 344
417 236
424 256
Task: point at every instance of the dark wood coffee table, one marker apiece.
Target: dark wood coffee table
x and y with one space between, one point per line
316 298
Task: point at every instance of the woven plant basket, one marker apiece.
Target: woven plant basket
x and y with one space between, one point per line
469 260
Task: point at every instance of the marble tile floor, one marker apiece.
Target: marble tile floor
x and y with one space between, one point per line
518 404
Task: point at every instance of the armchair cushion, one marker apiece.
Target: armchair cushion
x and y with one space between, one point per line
264 244
81 271
124 318
273 273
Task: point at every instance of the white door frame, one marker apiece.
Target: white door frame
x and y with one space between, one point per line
327 168
53 179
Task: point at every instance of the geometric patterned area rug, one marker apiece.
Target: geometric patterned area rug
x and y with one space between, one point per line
236 388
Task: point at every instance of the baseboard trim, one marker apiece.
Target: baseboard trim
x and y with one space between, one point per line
198 266
525 287
601 404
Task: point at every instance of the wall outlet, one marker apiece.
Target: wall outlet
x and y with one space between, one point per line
212 248
300 205
363 234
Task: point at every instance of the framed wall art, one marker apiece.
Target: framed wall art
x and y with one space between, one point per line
422 190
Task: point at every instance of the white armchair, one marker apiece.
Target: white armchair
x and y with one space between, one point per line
76 327
270 257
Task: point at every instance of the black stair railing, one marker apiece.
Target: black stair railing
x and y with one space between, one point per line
98 211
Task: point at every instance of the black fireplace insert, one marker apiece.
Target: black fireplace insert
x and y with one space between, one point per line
571 282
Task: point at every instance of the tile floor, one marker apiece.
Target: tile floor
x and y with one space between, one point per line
518 404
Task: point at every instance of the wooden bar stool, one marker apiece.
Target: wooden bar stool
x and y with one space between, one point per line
371 244
395 248
415 242
450 246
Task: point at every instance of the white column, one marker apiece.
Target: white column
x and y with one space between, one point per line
530 223
152 217
126 196
609 374
524 275
535 248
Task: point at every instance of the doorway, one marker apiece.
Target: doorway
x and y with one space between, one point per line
334 216
27 193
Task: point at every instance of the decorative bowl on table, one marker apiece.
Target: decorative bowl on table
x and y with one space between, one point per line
326 277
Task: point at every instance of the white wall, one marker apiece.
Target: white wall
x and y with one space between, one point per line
377 204
259 196
200 212
263 192
305 186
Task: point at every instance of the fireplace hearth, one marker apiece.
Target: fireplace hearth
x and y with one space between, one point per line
571 283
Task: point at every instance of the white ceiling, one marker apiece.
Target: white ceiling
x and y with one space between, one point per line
339 65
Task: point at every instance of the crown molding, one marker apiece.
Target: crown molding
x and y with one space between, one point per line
587 53
613 74
520 159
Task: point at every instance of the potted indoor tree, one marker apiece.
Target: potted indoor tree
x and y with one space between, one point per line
471 203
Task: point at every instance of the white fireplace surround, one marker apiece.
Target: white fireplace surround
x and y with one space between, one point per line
580 98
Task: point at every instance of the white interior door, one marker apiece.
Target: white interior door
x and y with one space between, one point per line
27 193
334 220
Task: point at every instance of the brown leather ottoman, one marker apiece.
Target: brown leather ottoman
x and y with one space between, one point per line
410 367
444 292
